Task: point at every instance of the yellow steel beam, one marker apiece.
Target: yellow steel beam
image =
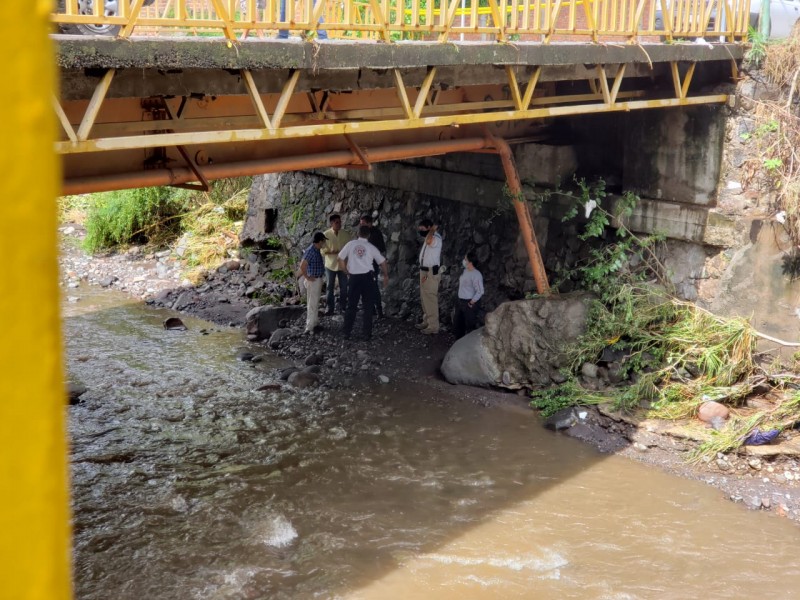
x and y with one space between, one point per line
255 96
617 83
308 131
62 118
34 513
531 87
283 100
603 79
221 122
128 25
402 95
94 105
424 89
513 86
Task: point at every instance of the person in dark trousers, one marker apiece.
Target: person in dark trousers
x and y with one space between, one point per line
376 239
357 258
470 292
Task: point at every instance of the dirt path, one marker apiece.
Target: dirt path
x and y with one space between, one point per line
398 352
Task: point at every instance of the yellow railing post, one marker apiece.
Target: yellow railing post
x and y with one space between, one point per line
34 529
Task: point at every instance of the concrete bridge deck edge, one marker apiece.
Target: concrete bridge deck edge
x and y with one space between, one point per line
207 53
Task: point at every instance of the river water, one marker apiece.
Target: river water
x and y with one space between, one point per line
188 483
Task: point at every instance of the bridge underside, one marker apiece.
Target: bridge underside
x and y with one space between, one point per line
175 112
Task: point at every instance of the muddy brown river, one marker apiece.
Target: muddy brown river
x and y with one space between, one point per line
190 484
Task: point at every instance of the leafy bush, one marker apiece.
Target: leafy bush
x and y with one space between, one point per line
159 215
134 216
676 354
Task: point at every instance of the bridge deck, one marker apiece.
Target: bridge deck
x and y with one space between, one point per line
158 111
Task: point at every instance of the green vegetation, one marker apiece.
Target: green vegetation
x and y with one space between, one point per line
134 216
757 52
207 223
671 355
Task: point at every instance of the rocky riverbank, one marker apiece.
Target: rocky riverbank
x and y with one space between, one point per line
766 478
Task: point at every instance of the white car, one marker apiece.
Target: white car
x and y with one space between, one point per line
86 7
783 14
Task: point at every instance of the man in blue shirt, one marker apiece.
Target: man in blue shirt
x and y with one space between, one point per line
312 268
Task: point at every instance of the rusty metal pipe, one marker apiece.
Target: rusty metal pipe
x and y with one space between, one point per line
338 158
523 214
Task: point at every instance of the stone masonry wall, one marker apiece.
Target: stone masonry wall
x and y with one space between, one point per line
302 202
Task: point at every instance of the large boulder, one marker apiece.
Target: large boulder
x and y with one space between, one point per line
522 344
263 321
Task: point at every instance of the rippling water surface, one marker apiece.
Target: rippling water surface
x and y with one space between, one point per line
189 483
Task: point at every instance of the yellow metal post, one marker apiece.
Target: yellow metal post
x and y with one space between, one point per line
34 530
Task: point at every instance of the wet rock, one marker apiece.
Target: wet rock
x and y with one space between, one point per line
263 321
563 419
278 336
766 503
184 300
597 435
712 410
468 362
315 369
287 372
244 355
74 391
314 359
268 387
383 379
300 379
612 355
174 324
108 281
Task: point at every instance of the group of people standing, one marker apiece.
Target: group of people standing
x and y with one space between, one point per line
356 263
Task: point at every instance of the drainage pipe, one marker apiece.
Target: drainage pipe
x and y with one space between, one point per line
338 158
523 214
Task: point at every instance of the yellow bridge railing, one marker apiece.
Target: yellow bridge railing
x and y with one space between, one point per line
429 20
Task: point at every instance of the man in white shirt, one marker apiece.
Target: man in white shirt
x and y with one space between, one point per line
429 264
356 259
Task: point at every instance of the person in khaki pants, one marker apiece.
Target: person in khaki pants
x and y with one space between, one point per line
429 264
312 268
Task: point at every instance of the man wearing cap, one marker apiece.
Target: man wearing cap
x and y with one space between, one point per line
336 238
429 264
376 239
312 269
356 259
